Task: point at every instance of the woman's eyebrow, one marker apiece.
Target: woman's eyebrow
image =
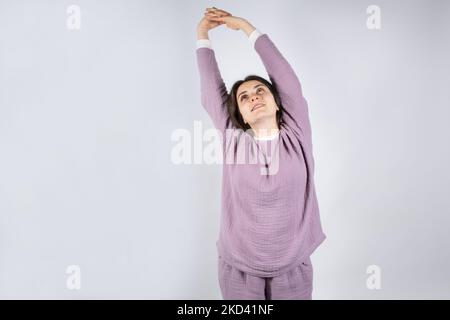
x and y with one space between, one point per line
258 85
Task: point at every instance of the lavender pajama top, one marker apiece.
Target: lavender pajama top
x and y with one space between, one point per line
269 221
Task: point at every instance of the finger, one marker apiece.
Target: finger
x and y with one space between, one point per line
218 11
215 18
223 12
214 13
211 16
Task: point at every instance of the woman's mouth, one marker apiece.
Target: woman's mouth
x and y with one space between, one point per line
257 106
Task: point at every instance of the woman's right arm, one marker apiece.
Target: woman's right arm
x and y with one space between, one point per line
213 91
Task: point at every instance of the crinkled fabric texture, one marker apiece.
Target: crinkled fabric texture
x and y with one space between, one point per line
270 220
296 284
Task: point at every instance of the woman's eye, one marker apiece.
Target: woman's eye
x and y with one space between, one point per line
243 97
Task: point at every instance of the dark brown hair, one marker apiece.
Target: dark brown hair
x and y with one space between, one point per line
233 107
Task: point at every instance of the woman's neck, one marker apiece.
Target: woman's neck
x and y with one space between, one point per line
265 129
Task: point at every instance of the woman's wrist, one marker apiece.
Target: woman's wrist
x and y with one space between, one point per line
247 27
202 34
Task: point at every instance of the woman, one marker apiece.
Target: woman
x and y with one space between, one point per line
270 223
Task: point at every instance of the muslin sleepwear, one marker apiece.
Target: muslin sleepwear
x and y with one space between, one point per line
269 223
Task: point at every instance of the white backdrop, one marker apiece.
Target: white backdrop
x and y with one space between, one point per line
86 118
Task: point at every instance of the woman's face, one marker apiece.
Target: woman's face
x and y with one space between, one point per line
255 101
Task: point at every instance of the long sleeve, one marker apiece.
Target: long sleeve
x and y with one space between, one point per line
287 83
213 91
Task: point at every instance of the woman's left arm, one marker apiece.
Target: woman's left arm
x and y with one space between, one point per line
280 73
283 76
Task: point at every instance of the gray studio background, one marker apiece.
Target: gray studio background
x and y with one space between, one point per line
86 118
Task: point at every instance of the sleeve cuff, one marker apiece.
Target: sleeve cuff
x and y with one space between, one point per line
203 43
253 36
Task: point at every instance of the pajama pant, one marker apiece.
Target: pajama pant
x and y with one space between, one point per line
295 284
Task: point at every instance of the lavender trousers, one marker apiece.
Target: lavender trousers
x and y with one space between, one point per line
296 284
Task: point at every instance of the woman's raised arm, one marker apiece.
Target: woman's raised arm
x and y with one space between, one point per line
280 73
213 91
287 84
